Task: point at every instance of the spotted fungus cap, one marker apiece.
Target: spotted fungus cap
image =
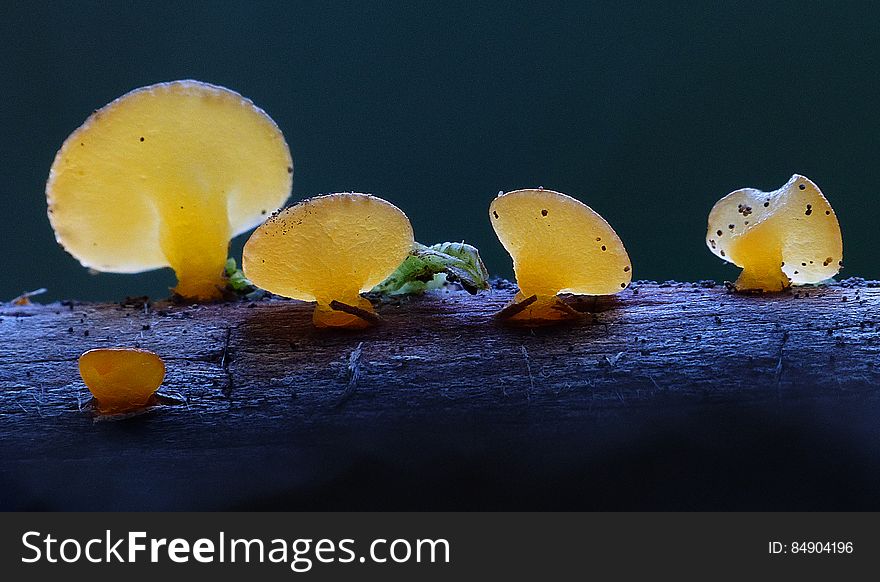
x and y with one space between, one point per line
790 235
559 244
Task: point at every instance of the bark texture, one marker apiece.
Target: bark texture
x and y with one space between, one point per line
670 396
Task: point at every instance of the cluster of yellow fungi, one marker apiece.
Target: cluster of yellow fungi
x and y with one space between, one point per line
167 175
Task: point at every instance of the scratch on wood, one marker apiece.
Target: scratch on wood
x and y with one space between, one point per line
654 382
367 316
779 366
354 374
224 363
531 386
566 308
514 308
612 360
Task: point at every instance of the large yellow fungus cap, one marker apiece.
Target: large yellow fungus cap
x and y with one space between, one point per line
330 249
558 245
787 236
165 176
121 379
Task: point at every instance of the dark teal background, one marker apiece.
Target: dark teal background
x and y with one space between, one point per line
648 112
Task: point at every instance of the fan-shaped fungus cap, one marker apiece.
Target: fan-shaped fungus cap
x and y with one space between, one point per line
787 236
330 249
121 379
165 176
558 245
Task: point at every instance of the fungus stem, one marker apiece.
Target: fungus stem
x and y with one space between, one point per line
195 240
759 278
760 256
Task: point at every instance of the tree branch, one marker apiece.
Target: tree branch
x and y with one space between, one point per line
669 396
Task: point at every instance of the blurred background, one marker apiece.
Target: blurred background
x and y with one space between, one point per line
648 112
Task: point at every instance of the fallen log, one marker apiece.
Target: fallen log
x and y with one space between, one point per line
669 396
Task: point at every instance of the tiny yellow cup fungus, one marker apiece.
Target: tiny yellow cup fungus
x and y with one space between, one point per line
121 379
330 249
558 245
790 235
165 176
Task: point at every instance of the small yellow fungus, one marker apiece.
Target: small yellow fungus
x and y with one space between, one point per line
121 379
558 245
165 176
330 249
790 235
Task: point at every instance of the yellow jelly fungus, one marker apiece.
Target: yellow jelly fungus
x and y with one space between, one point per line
558 245
330 249
121 379
165 176
787 236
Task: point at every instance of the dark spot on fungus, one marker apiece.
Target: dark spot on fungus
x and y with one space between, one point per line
722 253
263 211
802 186
809 209
731 226
544 212
827 212
495 214
795 272
766 204
623 285
598 239
604 248
719 233
626 269
827 262
802 265
289 169
746 223
712 243
142 138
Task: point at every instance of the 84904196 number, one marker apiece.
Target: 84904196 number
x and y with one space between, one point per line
821 547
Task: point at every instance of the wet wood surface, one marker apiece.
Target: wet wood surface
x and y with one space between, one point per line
669 396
